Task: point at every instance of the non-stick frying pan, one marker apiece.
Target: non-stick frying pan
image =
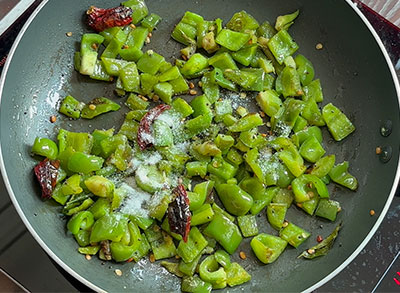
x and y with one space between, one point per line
356 75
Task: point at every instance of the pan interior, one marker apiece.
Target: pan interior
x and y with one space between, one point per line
354 76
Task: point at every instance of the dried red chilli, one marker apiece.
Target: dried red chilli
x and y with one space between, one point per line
100 19
144 130
179 214
46 173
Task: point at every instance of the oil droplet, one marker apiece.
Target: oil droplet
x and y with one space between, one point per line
386 128
386 154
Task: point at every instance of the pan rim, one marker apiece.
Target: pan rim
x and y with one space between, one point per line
98 289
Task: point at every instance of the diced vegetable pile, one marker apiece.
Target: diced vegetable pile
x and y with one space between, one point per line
186 178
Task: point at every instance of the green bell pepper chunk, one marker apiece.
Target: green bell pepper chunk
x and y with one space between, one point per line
194 65
311 150
136 38
113 66
78 141
221 108
163 247
109 227
98 136
201 190
289 155
91 250
203 27
232 40
149 178
195 244
276 213
224 142
328 209
242 21
151 21
309 206
282 46
208 42
129 77
150 62
210 271
267 247
136 103
189 269
201 106
81 206
251 158
162 134
294 235
209 87
197 168
338 124
269 102
246 79
245 55
225 232
58 196
82 163
305 69
340 175
283 22
290 83
312 113
248 225
71 107
223 258
192 18
195 285
45 147
236 275
247 122
217 77
82 237
307 186
172 267
266 65
101 207
251 138
300 124
147 83
109 33
262 196
122 252
113 47
131 54
184 33
301 136
284 196
139 9
202 215
235 200
182 107
266 30
72 185
313 91
259 83
98 106
218 210
89 45
208 149
179 85
165 91
110 144
229 119
143 249
83 220
100 186
222 61
221 168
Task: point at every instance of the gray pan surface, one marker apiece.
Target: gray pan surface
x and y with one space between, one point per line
355 76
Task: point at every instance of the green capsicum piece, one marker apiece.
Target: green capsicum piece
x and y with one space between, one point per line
210 271
236 275
248 225
282 46
340 175
276 213
283 22
195 244
109 227
232 40
267 247
195 285
71 107
45 147
98 106
294 235
83 220
338 124
242 21
236 201
307 186
311 150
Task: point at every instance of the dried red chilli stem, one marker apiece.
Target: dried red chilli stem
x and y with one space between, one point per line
144 130
179 214
46 173
100 19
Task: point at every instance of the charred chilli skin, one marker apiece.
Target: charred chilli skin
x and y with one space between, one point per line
144 127
179 214
46 173
99 18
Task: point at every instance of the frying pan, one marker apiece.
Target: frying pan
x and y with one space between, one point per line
356 75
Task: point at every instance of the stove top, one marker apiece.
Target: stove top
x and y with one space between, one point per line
375 269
